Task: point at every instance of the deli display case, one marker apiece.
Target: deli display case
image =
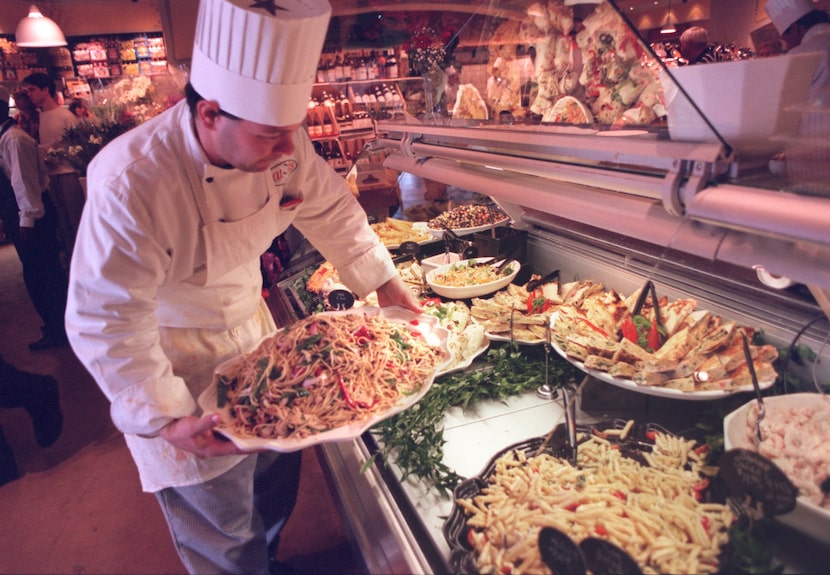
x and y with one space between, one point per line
690 194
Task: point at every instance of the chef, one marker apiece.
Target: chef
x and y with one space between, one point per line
165 279
804 28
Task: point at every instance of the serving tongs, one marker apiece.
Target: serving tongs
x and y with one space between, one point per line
548 278
648 289
754 377
454 243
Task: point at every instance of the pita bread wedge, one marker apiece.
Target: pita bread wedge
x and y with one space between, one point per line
681 384
650 378
717 338
713 367
675 348
741 377
630 352
674 314
623 370
598 363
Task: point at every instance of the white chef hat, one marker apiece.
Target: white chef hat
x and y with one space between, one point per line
784 12
258 58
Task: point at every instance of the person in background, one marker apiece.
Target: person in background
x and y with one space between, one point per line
804 28
80 108
54 118
64 187
27 117
39 396
165 280
29 221
695 47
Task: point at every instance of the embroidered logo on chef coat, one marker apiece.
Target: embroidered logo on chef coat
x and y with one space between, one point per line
281 171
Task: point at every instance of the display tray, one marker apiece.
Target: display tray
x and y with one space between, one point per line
455 528
467 231
426 325
467 361
657 391
496 337
807 517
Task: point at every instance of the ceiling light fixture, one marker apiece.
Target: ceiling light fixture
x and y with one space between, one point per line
668 27
38 31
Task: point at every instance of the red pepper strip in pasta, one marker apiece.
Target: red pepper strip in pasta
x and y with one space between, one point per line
353 404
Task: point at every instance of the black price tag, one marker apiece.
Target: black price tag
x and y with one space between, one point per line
409 248
560 553
340 299
469 253
605 557
747 472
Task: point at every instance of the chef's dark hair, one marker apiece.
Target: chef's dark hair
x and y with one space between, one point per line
193 97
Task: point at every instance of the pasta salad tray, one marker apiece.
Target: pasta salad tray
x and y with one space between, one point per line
328 377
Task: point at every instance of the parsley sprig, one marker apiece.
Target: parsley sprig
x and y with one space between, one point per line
414 439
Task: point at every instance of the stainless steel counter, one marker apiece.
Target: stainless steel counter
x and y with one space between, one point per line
397 525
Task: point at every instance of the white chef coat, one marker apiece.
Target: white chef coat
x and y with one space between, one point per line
817 39
165 280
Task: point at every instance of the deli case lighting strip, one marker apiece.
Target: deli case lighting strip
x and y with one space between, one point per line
577 143
635 217
648 186
777 213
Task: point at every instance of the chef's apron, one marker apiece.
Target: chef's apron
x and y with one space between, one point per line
231 247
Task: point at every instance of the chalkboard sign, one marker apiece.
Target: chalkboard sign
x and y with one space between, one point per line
560 553
604 557
409 248
340 299
470 252
747 472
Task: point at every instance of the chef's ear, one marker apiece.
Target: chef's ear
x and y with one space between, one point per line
208 112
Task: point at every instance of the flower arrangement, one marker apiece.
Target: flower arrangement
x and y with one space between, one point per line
426 51
120 108
81 142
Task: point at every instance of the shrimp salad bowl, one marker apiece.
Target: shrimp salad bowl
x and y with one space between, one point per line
795 435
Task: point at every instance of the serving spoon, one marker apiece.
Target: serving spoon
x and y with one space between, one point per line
761 409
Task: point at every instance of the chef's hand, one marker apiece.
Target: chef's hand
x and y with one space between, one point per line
195 434
396 292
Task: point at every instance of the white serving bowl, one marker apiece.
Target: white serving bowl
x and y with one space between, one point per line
807 517
747 101
431 263
470 291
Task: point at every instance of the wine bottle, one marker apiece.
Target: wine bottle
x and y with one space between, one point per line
328 124
315 128
391 65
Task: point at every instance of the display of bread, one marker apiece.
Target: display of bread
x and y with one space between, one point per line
530 311
468 104
688 350
597 62
394 232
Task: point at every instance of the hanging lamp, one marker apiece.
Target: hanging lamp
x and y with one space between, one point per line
668 27
38 31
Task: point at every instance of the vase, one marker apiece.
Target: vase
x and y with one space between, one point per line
435 82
